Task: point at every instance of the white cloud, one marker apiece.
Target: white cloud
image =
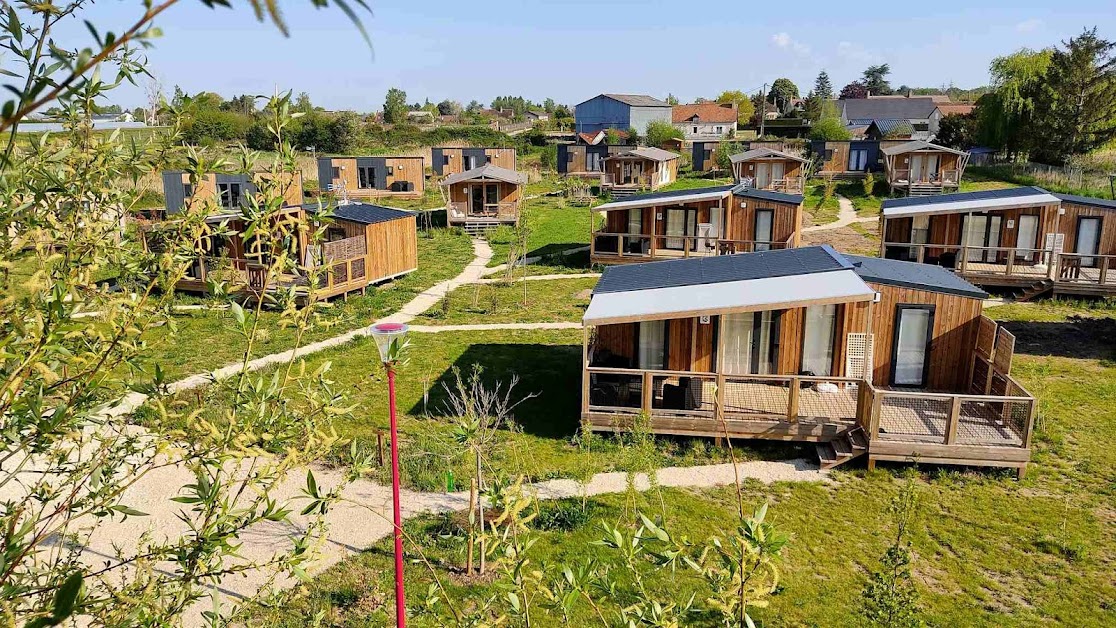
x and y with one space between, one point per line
1029 26
785 41
855 53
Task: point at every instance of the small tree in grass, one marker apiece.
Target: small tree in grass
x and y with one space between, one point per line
659 133
890 599
869 183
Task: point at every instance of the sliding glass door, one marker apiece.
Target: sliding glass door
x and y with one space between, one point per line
652 345
765 220
1087 241
817 340
750 342
981 231
914 325
1027 237
680 222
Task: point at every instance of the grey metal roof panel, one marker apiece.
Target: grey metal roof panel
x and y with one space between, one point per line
757 153
913 275
914 145
652 196
719 269
1000 194
1087 200
367 214
638 100
487 171
885 108
767 195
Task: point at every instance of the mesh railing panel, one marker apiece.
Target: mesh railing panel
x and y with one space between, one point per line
688 394
616 390
824 402
914 418
998 424
755 398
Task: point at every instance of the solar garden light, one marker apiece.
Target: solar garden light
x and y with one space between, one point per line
390 341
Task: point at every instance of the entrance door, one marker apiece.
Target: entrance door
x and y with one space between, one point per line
765 219
914 325
981 231
1087 241
750 342
476 200
680 222
763 175
1027 237
817 339
778 169
652 345
626 172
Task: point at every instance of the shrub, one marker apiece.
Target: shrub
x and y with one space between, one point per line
659 133
565 515
869 184
829 129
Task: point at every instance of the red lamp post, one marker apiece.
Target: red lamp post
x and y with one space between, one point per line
389 339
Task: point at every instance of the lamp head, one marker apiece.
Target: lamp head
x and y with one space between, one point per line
389 340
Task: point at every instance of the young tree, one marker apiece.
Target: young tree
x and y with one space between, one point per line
782 92
659 132
890 599
823 88
1076 110
856 89
395 106
745 109
672 100
302 103
875 80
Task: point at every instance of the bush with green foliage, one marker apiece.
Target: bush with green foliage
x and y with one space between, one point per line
829 129
660 132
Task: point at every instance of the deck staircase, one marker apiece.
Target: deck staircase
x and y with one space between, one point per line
924 189
619 193
1035 290
480 227
852 443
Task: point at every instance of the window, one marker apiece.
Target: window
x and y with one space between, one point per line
817 341
828 154
366 176
488 159
569 157
469 162
750 342
491 194
707 154
335 173
695 130
652 344
228 194
765 219
718 130
592 162
187 190
389 170
858 159
635 220
445 160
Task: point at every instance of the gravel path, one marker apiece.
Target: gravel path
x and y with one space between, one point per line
542 277
845 217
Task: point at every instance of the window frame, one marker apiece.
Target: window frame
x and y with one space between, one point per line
899 309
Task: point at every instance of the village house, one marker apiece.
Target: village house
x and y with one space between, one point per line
372 177
699 222
1024 238
445 160
705 121
862 356
920 112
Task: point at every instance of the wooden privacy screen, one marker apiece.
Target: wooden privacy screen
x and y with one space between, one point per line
344 249
992 358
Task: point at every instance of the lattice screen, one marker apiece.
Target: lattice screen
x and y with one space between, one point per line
858 356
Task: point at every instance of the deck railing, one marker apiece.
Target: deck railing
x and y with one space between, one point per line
902 176
1016 262
1002 420
642 245
635 180
788 185
461 212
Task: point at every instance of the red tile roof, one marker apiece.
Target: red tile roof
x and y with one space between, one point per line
706 112
958 108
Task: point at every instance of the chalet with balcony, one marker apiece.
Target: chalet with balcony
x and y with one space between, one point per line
372 177
638 169
863 356
701 222
454 160
484 198
1023 238
919 168
770 169
361 245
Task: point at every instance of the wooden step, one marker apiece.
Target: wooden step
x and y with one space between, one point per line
852 443
827 456
842 446
858 439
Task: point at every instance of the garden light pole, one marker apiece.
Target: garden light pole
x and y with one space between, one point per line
390 339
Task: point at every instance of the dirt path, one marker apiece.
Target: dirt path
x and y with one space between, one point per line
845 217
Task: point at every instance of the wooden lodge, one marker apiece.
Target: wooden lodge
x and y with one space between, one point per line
638 169
770 169
1023 238
845 159
863 356
919 168
372 177
586 160
228 191
484 198
363 245
447 160
696 223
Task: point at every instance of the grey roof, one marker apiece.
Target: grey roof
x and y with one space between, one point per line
913 275
914 145
767 195
654 196
758 153
707 270
647 152
956 197
1087 200
367 214
487 171
888 126
887 108
638 100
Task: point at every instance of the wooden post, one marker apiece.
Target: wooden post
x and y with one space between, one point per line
1010 266
1103 270
954 418
1030 424
792 400
648 392
921 255
380 447
620 245
964 258
874 418
685 246
585 371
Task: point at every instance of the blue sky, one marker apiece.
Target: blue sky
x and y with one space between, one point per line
573 50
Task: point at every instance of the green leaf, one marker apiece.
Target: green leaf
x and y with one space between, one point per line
65 599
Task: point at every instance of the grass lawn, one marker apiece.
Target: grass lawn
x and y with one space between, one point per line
819 209
553 226
207 340
692 180
988 550
546 301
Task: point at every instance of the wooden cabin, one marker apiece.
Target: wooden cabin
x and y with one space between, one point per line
770 169
1022 238
586 160
643 168
919 168
696 223
845 159
455 160
363 245
229 191
372 177
703 155
484 197
860 355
